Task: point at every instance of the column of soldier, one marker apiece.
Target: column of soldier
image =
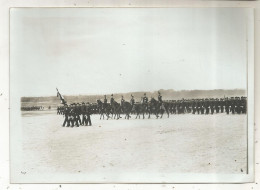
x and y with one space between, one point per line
32 108
234 105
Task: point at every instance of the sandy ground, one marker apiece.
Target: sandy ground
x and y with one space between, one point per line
180 144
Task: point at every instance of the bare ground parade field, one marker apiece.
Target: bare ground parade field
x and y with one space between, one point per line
181 144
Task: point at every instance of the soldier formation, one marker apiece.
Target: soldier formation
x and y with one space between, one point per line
234 105
32 108
77 114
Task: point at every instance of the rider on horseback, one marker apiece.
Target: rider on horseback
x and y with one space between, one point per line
122 104
160 101
112 99
145 101
122 101
132 101
105 102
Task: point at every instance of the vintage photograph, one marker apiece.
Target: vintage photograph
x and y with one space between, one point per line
130 95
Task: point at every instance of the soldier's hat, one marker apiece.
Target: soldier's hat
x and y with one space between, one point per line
111 94
145 94
132 95
83 102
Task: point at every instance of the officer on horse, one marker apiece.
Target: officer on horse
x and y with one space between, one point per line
132 102
145 101
160 101
112 99
122 101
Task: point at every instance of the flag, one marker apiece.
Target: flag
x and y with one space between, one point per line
62 100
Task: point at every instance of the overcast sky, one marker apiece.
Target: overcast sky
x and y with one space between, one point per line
104 50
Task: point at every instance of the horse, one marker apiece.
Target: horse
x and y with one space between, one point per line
159 107
116 110
140 109
103 109
126 108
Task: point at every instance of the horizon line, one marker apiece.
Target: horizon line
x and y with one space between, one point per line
130 92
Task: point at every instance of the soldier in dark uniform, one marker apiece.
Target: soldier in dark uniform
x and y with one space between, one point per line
145 101
83 112
198 106
78 113
206 104
222 104
66 114
217 105
105 102
160 101
227 105
122 101
75 114
212 105
202 106
244 103
232 105
88 112
132 102
71 115
111 99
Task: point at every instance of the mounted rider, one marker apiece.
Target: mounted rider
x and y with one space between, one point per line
160 101
112 100
145 101
105 102
132 102
122 101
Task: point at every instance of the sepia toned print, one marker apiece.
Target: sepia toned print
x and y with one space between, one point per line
119 95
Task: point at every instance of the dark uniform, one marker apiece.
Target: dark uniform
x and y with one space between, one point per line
111 99
122 101
66 114
132 102
84 112
160 101
145 101
88 112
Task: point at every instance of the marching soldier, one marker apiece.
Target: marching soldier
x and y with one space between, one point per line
78 113
221 105
66 114
207 105
217 105
227 105
83 112
88 112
